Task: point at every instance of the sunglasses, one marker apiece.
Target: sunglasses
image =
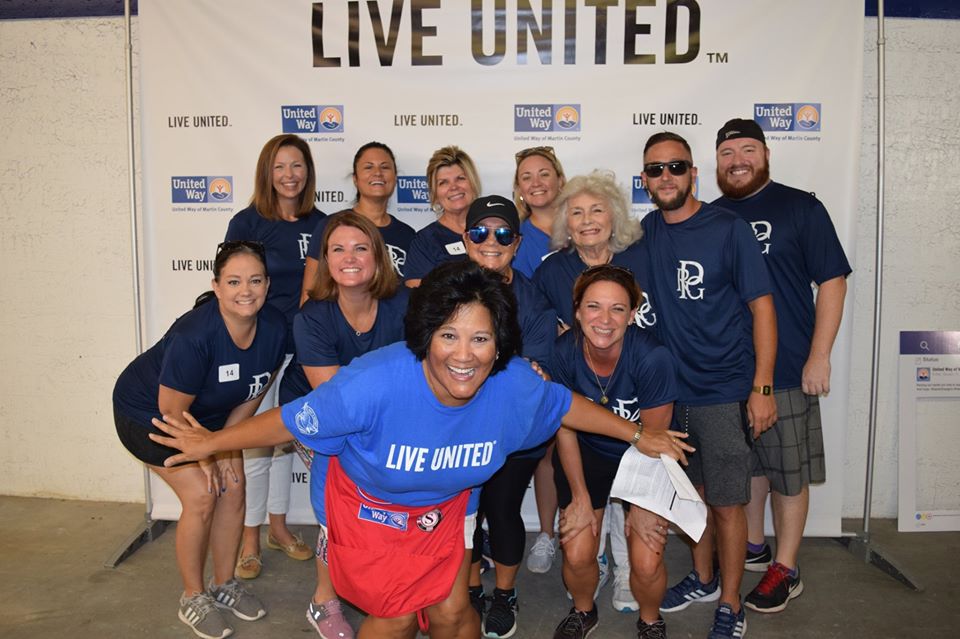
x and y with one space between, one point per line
504 235
677 167
235 245
534 150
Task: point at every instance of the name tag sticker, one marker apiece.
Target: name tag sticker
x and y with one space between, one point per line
229 373
456 248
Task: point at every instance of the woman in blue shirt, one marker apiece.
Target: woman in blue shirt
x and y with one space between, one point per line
355 306
217 361
454 183
628 372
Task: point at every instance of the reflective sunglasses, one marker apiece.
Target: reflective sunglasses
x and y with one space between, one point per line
235 245
677 167
504 235
534 150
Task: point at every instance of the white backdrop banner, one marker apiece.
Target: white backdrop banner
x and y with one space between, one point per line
591 79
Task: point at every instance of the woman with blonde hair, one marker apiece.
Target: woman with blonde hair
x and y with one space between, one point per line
454 184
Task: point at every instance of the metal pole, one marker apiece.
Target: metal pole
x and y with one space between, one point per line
860 544
148 529
878 275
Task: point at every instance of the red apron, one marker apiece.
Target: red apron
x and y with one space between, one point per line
387 559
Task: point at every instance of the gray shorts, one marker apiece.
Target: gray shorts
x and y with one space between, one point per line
790 454
723 460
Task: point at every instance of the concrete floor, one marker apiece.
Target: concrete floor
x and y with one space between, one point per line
53 583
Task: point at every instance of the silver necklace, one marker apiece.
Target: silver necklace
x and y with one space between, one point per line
603 388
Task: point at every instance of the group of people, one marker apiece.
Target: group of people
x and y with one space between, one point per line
426 377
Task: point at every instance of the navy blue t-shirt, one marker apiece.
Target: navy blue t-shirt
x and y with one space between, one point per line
703 272
198 357
555 279
396 235
645 377
286 246
801 246
434 244
538 328
534 248
558 273
324 338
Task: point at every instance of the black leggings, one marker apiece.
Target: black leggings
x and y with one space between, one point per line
500 501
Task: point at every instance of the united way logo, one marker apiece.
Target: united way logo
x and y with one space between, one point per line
221 189
545 118
412 189
568 118
306 420
323 118
787 116
331 118
201 189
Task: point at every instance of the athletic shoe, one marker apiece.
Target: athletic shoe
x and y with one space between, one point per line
328 620
200 613
775 590
655 630
238 600
501 619
690 590
541 555
604 576
726 624
758 561
622 598
477 600
248 567
296 549
577 625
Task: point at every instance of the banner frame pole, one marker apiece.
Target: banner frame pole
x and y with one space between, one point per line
148 529
860 544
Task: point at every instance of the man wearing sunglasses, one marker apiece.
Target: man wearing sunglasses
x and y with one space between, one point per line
801 247
709 286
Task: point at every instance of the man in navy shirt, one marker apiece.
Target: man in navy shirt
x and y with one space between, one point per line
800 246
709 285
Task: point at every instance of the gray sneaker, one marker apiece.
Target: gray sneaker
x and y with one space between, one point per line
541 555
201 614
238 600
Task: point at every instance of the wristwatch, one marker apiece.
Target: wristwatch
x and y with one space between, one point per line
763 390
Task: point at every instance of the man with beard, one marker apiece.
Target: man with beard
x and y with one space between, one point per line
709 285
801 246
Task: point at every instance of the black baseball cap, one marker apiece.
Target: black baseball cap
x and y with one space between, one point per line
739 128
494 206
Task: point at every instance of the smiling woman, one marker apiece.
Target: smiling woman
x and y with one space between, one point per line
216 361
455 385
454 184
281 217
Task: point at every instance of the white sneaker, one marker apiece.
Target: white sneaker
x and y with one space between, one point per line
622 598
541 555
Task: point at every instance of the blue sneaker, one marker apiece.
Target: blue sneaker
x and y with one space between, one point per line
726 624
689 590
